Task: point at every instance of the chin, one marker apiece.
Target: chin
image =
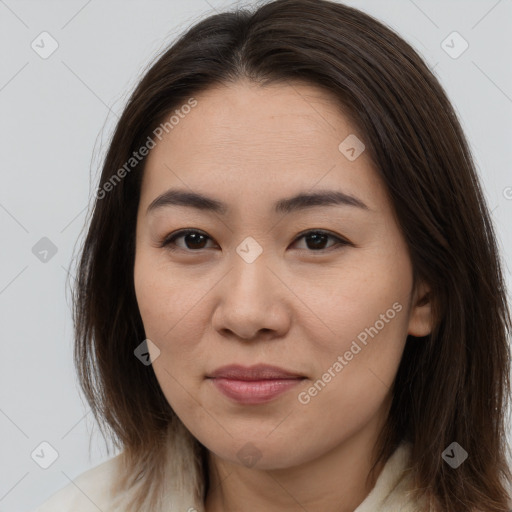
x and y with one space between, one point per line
260 453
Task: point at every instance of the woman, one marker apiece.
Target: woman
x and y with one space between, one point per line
238 359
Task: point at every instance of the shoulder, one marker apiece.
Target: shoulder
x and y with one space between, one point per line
88 492
393 490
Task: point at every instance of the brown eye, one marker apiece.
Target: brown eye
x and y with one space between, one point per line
316 240
193 239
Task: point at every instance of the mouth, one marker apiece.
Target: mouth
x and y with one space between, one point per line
254 385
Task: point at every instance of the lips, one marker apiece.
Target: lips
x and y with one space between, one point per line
253 385
257 372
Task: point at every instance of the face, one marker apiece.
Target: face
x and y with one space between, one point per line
320 289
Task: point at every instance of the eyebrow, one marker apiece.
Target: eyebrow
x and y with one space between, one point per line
301 201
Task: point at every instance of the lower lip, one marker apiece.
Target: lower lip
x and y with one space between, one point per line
254 391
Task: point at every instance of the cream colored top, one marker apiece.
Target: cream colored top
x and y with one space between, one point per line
89 492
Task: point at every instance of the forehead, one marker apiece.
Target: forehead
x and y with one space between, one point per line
274 119
253 140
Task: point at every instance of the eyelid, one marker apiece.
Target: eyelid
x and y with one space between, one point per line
179 233
169 239
341 241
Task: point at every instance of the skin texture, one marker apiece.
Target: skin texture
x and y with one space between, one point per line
294 306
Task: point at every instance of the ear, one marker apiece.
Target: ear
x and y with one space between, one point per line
420 320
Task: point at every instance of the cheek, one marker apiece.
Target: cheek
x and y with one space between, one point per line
163 297
169 305
354 381
366 309
165 303
365 299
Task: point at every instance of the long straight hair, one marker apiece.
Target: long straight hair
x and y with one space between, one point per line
452 385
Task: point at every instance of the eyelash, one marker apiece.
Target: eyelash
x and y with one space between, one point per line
169 240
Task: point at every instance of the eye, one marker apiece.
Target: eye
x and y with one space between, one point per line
316 239
195 240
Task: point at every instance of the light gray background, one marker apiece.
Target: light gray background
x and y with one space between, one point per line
56 117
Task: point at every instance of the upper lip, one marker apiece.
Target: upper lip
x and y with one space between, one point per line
257 372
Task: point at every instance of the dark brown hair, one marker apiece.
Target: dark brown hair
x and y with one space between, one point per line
452 385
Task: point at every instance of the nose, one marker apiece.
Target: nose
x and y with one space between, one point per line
252 302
